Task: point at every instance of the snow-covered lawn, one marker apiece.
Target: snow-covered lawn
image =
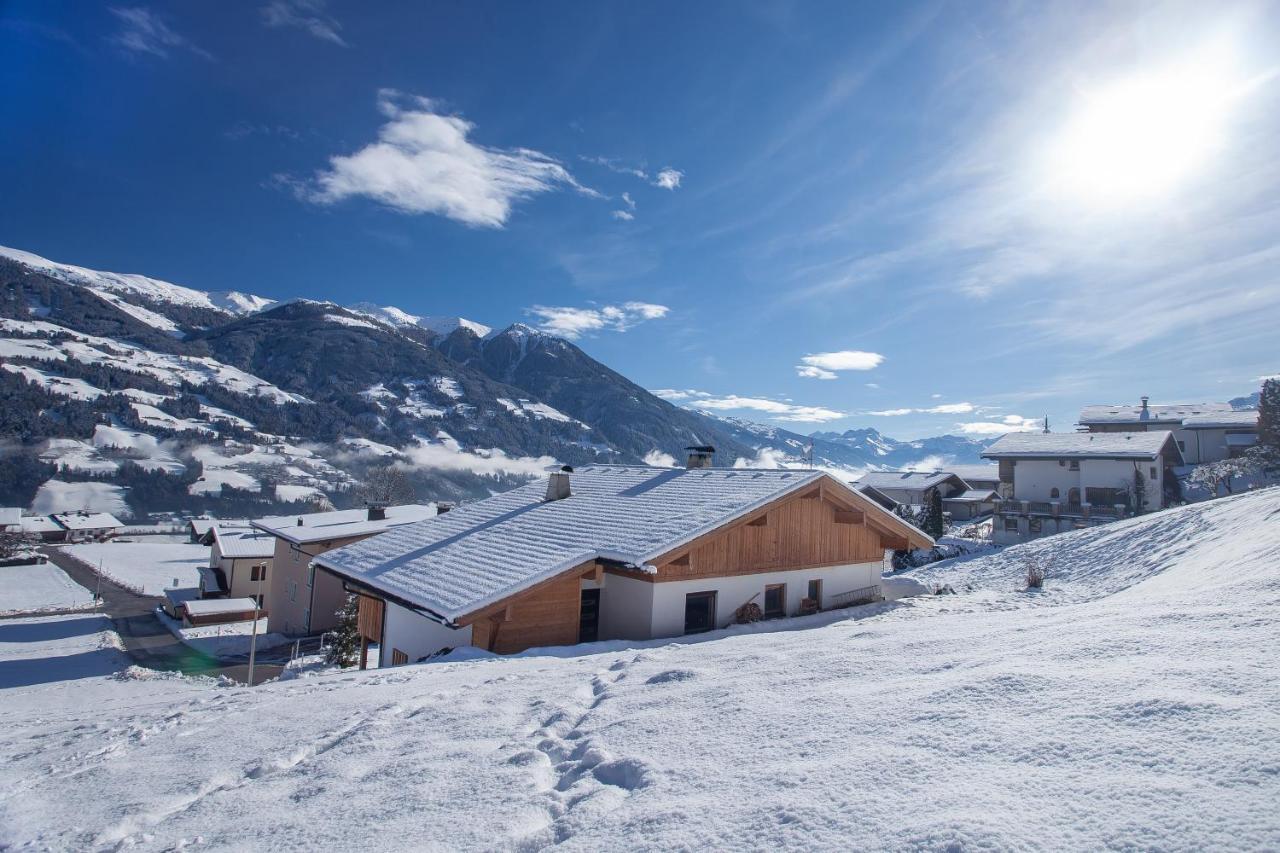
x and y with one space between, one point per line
145 567
1130 704
32 589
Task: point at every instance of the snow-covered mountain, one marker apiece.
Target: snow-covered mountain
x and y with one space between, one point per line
441 325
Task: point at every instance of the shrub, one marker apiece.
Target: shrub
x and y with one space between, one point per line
1035 575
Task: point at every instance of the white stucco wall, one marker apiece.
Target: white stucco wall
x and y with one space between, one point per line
626 605
1035 479
733 592
416 635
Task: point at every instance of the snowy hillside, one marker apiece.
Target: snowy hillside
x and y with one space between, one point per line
1131 703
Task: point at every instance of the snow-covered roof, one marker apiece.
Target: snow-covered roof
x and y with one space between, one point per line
974 496
214 606
1228 420
484 552
181 594
10 516
40 524
904 479
969 473
1171 413
201 526
243 543
83 520
340 524
209 579
1102 445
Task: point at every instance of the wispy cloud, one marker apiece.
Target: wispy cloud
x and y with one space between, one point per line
613 164
943 409
778 410
424 162
310 16
142 31
570 322
1010 423
825 365
668 179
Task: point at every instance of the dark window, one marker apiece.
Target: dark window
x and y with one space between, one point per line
1054 494
258 573
775 601
1073 496
1099 496
1155 475
1075 465
1011 525
699 612
815 590
1033 524
589 616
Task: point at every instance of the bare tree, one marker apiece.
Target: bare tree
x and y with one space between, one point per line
387 485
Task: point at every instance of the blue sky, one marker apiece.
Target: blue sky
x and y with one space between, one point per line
925 218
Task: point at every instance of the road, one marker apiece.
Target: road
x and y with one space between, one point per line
150 644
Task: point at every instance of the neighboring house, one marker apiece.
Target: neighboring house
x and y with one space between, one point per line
1145 417
304 601
970 504
617 552
198 528
1054 482
977 476
239 564
10 519
83 525
1224 435
912 487
44 527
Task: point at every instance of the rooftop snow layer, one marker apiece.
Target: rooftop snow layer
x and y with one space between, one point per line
903 479
240 543
340 524
87 520
1225 420
1104 445
483 552
969 473
215 606
1171 413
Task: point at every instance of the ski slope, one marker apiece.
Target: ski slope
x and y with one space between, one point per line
1131 703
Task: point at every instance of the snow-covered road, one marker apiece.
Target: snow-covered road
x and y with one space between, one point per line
1131 704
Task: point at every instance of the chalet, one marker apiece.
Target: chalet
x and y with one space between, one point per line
1054 482
984 477
912 487
83 525
1203 431
44 528
239 564
302 600
617 552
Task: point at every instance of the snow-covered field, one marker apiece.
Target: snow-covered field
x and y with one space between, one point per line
31 589
145 567
1131 703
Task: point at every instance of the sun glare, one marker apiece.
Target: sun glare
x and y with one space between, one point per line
1143 136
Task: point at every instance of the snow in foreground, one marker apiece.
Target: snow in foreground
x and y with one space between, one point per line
41 586
1131 704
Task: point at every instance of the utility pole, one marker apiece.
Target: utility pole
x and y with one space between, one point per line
253 636
97 592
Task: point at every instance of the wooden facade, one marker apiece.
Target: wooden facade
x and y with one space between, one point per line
544 615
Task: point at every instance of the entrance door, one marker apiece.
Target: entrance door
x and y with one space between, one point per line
589 616
775 601
699 612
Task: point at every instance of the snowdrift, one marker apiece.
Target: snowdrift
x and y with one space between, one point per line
1130 704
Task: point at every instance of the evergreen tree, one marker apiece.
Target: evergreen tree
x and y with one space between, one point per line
934 522
1269 416
1139 491
344 649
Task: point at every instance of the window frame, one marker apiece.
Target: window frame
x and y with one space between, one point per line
781 590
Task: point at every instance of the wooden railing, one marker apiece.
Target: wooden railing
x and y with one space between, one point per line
863 595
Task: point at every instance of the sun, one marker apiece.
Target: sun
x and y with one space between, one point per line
1143 136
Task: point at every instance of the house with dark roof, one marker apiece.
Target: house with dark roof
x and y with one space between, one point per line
1204 432
1054 482
617 552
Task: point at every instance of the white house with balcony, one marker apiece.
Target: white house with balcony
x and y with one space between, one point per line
1204 432
1055 482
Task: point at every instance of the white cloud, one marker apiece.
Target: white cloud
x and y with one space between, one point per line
781 410
668 179
657 459
624 215
873 385
823 365
1010 423
940 409
613 164
570 322
629 201
143 31
310 16
423 162
810 372
891 413
449 457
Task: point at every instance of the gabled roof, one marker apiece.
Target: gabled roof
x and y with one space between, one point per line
969 473
1227 420
86 520
484 552
10 516
241 543
907 479
1172 413
201 526
341 524
40 524
1085 445
974 496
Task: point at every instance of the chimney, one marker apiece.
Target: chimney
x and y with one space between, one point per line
377 511
299 521
1145 414
558 484
700 456
442 507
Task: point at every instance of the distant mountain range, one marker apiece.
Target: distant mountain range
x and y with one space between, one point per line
137 395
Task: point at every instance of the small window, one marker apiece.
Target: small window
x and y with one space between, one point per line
1033 524
815 590
1054 494
1062 463
1182 445
1073 496
775 600
1155 473
258 573
398 658
1010 525
258 599
293 590
1075 465
699 612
